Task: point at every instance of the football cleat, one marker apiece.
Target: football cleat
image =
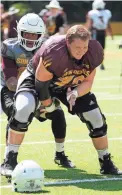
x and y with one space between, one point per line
63 160
9 164
108 167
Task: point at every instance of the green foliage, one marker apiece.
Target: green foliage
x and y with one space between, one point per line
23 7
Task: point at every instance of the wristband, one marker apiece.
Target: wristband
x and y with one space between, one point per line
73 92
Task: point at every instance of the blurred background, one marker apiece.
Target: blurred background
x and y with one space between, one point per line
75 10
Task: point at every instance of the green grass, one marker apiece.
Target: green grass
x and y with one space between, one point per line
82 153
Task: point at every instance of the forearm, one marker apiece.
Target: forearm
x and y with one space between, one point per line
88 24
110 30
43 79
84 88
9 68
42 89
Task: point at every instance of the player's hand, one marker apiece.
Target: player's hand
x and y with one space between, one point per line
40 114
42 111
54 105
12 83
71 97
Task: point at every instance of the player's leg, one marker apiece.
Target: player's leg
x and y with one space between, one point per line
22 116
59 132
7 101
1 109
101 39
58 125
6 105
96 123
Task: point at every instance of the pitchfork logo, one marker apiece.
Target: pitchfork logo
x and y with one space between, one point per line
30 184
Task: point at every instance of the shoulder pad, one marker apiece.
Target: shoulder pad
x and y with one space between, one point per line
109 14
91 13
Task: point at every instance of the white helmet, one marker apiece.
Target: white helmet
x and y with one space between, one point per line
27 176
98 4
31 23
54 4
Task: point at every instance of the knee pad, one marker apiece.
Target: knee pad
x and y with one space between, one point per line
95 122
58 123
21 127
23 111
97 132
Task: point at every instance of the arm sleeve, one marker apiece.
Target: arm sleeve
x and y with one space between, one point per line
42 88
9 68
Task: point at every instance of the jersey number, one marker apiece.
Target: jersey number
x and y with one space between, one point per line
101 19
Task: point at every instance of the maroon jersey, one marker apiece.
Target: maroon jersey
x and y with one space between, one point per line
67 71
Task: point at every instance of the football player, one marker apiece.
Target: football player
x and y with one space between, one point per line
16 54
98 22
65 68
54 18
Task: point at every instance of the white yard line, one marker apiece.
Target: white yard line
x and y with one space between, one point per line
109 98
108 78
106 87
70 116
81 181
64 182
68 141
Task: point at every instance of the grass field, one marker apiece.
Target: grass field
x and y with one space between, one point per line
85 178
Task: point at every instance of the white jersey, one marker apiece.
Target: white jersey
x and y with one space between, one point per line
100 18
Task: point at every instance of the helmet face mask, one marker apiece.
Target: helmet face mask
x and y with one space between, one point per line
30 23
27 177
30 44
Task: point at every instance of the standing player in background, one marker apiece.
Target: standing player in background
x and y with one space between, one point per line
98 22
54 18
13 20
8 22
4 22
